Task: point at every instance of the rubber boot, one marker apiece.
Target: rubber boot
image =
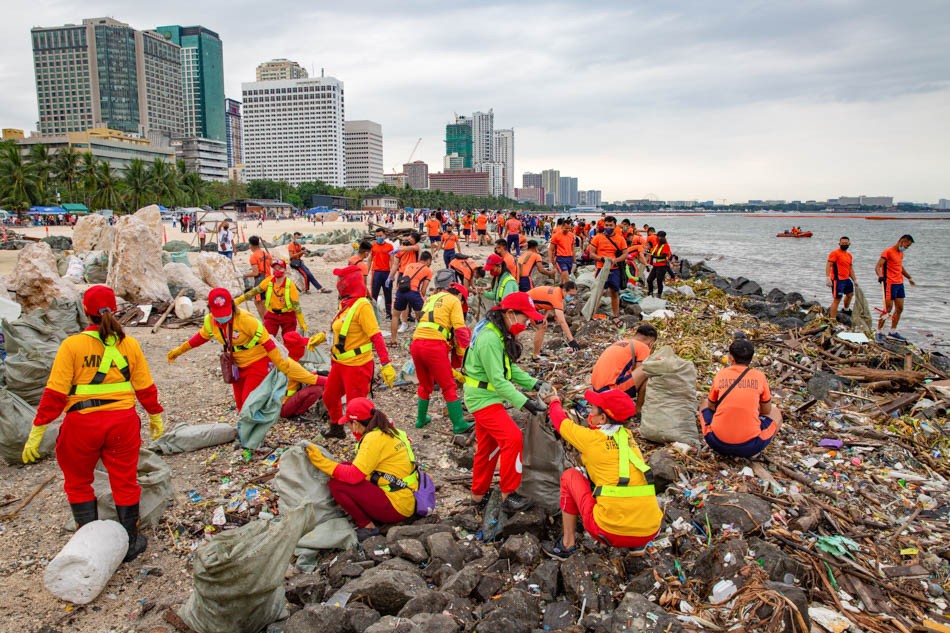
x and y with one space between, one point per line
129 519
422 410
459 425
85 512
335 431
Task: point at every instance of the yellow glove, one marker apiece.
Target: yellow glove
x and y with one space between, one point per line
317 339
459 376
156 425
31 452
302 322
320 461
178 351
388 374
241 299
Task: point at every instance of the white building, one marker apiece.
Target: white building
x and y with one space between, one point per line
551 181
363 151
293 130
496 178
204 156
504 152
483 135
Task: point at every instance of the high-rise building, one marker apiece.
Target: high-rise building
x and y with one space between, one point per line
202 74
232 130
589 198
363 149
483 135
417 174
567 190
529 179
551 181
293 130
458 141
530 194
206 157
496 178
107 145
453 161
504 152
280 69
105 74
462 182
549 198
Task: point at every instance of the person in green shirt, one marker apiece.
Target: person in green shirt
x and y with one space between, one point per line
503 282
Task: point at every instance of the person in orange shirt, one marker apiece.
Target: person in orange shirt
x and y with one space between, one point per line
610 249
260 268
890 273
434 229
359 260
467 227
652 239
550 301
450 242
635 257
501 249
526 264
296 251
381 264
618 366
840 274
411 288
561 249
513 232
481 227
97 376
465 270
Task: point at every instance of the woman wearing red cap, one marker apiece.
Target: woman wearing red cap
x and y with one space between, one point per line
378 486
97 375
503 282
281 300
489 373
355 335
252 347
622 510
301 396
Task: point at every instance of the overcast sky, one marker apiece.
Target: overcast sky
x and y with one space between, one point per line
684 100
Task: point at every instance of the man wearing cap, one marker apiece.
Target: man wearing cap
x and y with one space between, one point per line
609 248
617 504
551 300
503 282
441 332
301 395
489 372
615 369
96 378
738 417
281 299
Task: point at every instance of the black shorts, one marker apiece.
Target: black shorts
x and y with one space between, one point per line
409 298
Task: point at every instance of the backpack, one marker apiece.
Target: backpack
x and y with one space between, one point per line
405 281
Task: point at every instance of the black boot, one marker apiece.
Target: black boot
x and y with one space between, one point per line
129 519
85 512
335 431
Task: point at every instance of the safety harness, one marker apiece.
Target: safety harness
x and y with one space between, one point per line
339 349
258 333
97 386
288 304
484 384
393 483
627 457
502 282
427 320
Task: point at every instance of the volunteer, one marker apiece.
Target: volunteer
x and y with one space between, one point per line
738 417
382 262
449 243
302 391
481 227
489 371
260 261
610 249
501 249
252 347
503 283
561 249
225 241
526 264
282 300
513 233
412 286
363 250
840 273
296 251
378 486
434 229
465 269
890 273
355 335
467 227
635 257
438 344
615 499
96 378
550 300
659 260
618 364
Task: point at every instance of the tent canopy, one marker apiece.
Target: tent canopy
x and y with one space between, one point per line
215 216
75 208
46 211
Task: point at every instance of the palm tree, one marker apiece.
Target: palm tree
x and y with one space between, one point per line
18 184
87 175
66 168
193 188
162 181
41 162
136 182
109 185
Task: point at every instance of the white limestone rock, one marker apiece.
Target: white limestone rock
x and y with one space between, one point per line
35 281
152 216
183 276
218 272
92 233
135 264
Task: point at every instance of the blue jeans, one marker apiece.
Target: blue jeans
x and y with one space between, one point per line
448 256
303 270
514 244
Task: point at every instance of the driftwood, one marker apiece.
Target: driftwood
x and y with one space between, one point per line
866 374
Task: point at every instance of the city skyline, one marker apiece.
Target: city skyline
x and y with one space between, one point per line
686 102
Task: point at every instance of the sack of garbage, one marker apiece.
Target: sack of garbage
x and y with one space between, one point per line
188 437
543 460
261 409
74 270
861 316
96 267
64 314
670 404
316 360
239 576
596 291
16 418
31 332
27 372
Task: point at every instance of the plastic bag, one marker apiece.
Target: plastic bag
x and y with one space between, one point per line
239 576
187 437
29 333
261 409
96 267
27 373
64 314
596 291
670 404
16 418
861 316
75 270
543 458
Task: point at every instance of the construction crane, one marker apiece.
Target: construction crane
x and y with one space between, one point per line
414 149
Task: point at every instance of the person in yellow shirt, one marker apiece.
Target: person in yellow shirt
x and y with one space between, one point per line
441 332
378 486
301 396
617 503
281 301
96 378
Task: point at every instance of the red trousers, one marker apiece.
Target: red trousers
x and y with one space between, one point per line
112 436
577 499
300 402
353 382
284 322
496 436
249 379
365 502
431 359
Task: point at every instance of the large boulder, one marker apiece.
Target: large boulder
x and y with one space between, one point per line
218 272
388 589
135 264
181 276
152 216
92 233
340 253
35 281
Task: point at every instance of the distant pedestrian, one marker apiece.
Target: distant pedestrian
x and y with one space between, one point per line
225 241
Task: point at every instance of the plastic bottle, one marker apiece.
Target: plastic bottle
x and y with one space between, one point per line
722 591
84 566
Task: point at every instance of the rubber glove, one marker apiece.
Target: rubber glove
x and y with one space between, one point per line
156 425
302 322
320 461
535 406
459 376
31 451
388 374
317 339
241 299
574 345
178 351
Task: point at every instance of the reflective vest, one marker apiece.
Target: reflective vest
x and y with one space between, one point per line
339 350
655 255
428 316
503 281
288 306
110 357
210 325
394 483
482 384
627 457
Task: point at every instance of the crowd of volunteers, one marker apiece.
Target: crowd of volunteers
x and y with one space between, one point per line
474 360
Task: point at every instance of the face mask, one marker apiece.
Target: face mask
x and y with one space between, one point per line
222 320
494 272
380 240
278 273
608 232
517 328
901 249
590 420
844 247
569 299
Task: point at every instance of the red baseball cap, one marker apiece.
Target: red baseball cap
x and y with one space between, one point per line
220 303
279 263
98 299
462 290
359 410
493 260
615 403
520 302
296 345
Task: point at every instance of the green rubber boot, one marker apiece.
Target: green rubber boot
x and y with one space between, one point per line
422 409
459 425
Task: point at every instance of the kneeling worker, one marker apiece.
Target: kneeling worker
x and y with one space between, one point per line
303 388
738 417
548 299
615 369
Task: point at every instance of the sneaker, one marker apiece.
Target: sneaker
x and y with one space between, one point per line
364 533
403 327
879 337
557 550
516 503
897 337
479 505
